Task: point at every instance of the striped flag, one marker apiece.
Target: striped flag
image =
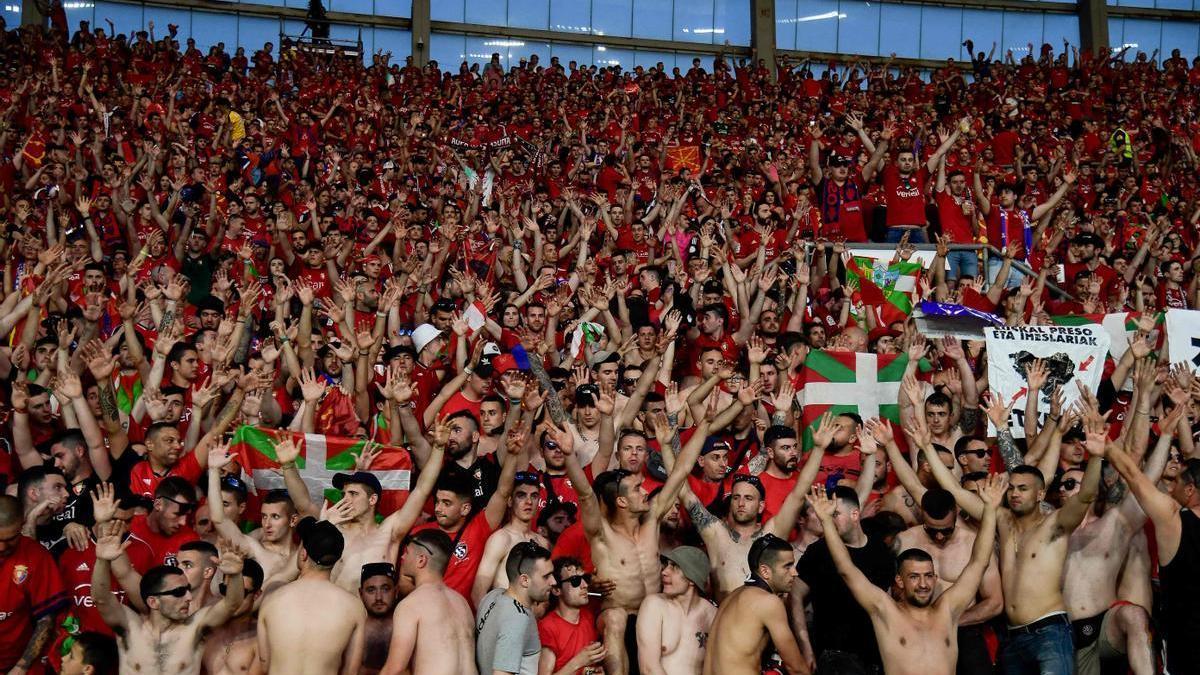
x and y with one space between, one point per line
1121 326
586 333
887 288
320 458
857 382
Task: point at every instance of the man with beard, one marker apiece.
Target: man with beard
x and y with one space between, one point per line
455 514
462 448
507 633
275 546
232 649
779 476
367 540
433 630
949 545
168 639
526 487
1033 554
916 636
728 540
43 493
754 616
673 625
378 594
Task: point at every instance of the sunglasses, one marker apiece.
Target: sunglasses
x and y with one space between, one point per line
576 579
978 452
944 531
528 477
551 445
177 592
1069 484
184 507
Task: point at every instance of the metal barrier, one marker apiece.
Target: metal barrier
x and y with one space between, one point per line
984 250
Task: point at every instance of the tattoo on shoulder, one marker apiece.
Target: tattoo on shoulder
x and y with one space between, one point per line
700 516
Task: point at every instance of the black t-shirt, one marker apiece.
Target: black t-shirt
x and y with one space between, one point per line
1182 586
839 622
485 474
79 503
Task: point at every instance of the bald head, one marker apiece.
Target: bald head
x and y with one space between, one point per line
10 511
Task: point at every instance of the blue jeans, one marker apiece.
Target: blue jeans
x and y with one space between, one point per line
916 235
1045 650
993 270
963 264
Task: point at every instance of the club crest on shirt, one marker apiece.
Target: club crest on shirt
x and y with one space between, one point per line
20 574
460 551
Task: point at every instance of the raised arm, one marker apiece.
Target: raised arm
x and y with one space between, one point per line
969 501
963 592
401 521
870 596
664 501
589 505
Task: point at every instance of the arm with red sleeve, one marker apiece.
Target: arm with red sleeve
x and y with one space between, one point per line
36 591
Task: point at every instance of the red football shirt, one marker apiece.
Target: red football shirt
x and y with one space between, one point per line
564 638
905 196
468 552
76 570
155 549
30 589
777 490
144 481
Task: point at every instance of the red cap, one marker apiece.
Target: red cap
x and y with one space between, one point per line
503 363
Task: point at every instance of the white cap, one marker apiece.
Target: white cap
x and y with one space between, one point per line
423 335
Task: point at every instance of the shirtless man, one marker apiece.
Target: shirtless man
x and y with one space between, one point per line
672 627
274 547
918 635
366 540
1033 555
378 594
1116 628
949 544
754 615
433 630
295 640
527 486
168 640
233 648
728 541
625 536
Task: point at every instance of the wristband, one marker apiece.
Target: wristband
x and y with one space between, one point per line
364 352
381 314
287 465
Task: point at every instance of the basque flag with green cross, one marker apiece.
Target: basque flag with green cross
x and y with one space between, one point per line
857 382
320 458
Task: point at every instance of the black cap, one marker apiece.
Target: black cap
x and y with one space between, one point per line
321 540
341 480
484 369
377 569
839 160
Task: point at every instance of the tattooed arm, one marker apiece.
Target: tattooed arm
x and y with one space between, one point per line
42 632
1008 449
553 402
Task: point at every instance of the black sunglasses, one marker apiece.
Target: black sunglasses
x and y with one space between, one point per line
529 477
978 452
576 579
177 592
1068 484
184 507
944 531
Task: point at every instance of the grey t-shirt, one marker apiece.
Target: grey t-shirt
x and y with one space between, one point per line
506 635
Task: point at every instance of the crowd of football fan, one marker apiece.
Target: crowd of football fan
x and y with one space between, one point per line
313 367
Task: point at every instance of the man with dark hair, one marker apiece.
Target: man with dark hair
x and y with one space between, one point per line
913 634
507 635
454 514
377 590
841 637
90 654
568 631
165 529
527 485
779 476
233 648
43 493
1033 554
624 536
294 640
433 630
1176 518
31 593
368 540
754 616
949 546
164 457
274 546
170 636
198 560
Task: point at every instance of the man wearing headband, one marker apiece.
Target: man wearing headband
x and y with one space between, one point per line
527 485
432 611
673 625
293 639
169 637
754 616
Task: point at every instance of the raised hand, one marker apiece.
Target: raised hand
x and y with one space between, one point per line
219 456
104 502
1035 375
994 407
231 559
821 504
756 350
993 488
108 544
370 452
823 435
286 451
312 388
